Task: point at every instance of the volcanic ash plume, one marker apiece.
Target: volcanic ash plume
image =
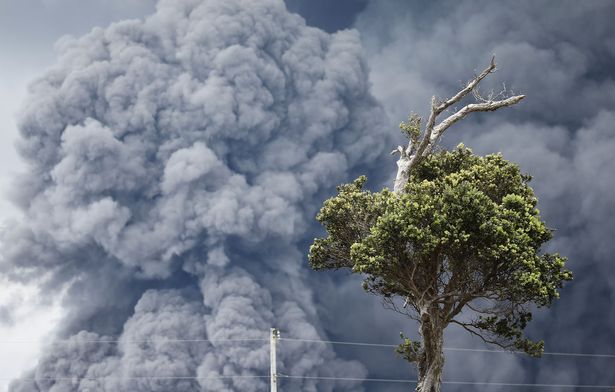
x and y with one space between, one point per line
174 166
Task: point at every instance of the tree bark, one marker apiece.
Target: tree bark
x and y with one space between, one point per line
403 172
431 361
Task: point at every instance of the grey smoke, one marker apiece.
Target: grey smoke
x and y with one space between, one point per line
175 165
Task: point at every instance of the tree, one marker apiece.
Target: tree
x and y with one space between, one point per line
458 240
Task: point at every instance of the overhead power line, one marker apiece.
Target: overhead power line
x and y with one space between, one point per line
137 378
501 384
337 342
274 376
115 341
446 348
322 378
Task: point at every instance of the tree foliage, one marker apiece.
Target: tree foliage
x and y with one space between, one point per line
465 234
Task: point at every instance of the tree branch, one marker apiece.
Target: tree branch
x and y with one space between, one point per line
469 88
488 106
413 153
468 328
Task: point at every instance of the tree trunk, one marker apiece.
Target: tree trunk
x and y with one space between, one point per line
431 361
403 166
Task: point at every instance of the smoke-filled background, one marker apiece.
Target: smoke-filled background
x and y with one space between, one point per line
173 160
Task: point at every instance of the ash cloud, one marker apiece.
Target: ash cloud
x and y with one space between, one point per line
175 165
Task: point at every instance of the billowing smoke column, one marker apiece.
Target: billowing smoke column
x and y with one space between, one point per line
175 165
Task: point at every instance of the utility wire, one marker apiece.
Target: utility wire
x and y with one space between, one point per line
111 341
136 378
447 348
323 378
116 341
501 384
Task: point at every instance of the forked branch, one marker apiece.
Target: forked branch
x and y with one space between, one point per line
411 155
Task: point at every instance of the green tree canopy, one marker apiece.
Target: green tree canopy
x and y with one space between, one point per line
465 234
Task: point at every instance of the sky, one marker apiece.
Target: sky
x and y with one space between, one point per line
170 165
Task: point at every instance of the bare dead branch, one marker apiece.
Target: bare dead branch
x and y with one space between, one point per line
488 106
415 152
438 108
470 87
